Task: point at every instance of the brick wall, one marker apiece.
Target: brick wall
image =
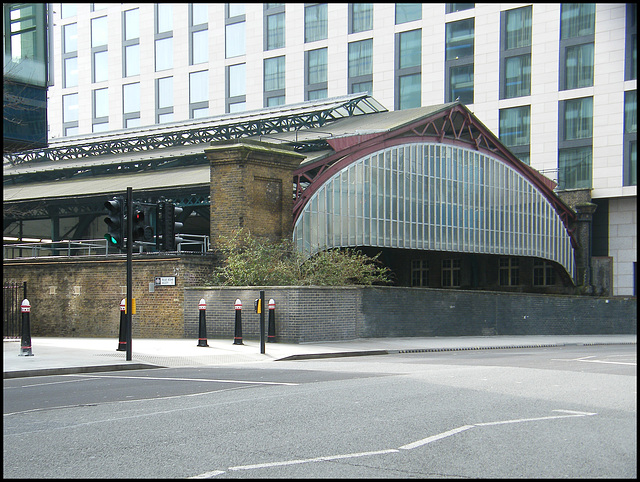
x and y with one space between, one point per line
309 314
81 297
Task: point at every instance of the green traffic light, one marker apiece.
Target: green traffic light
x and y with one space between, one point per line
111 239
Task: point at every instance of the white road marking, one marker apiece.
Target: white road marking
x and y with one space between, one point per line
604 361
585 359
413 445
433 438
183 379
207 475
315 459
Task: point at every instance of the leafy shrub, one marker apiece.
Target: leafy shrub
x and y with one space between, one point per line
252 261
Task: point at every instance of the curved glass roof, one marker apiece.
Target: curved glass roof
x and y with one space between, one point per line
433 196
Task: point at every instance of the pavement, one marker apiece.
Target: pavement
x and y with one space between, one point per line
54 356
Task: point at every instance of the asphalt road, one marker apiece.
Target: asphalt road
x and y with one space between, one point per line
540 412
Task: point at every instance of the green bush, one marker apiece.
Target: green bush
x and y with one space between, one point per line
252 261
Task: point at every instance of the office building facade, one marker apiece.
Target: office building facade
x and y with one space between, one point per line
556 82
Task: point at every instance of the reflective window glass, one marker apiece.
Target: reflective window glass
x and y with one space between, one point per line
99 32
200 47
237 80
199 86
131 98
235 39
132 24
164 54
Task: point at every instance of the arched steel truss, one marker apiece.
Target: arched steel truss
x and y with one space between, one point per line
251 123
453 125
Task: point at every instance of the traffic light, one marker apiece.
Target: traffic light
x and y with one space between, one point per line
171 227
168 228
115 222
141 229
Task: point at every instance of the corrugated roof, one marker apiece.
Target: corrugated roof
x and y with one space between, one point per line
91 186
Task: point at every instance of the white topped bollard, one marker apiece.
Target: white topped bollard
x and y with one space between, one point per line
202 336
122 335
271 336
25 341
237 338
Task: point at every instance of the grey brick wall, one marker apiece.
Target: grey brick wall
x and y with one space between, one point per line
309 314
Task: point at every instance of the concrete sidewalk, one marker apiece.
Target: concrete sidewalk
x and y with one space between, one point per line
53 356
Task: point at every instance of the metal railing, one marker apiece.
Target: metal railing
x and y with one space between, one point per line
94 247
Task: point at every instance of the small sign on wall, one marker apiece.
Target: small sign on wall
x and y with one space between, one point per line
165 281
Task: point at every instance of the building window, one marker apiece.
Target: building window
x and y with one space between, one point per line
164 100
515 128
408 71
99 56
543 273
316 74
409 90
198 93
408 12
577 34
578 118
459 49
164 18
419 272
164 54
235 10
70 55
131 42
515 53
70 72
99 31
163 36
131 24
274 81
450 273
68 10
70 114
198 33
360 17
579 66
235 39
131 105
630 169
315 22
458 7
575 143
100 106
70 38
275 31
236 88
509 272
100 66
577 20
631 43
360 68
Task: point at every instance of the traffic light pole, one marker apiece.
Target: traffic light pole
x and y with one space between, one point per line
129 305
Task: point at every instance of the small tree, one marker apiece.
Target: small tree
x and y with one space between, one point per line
251 261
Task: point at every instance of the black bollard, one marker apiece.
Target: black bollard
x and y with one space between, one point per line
25 342
122 336
202 336
271 336
237 339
